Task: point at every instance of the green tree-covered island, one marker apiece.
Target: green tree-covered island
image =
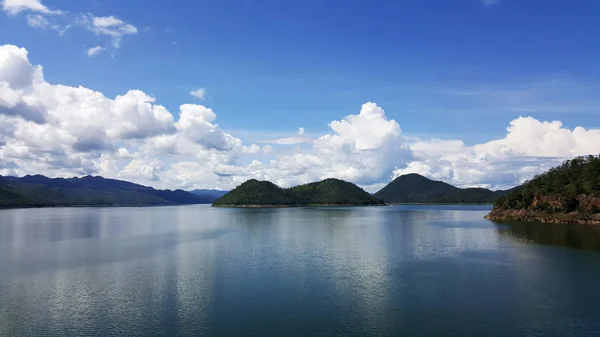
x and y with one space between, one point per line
415 189
569 193
329 192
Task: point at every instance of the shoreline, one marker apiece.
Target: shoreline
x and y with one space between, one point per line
295 206
96 206
441 203
556 218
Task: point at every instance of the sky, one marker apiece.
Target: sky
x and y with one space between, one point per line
208 94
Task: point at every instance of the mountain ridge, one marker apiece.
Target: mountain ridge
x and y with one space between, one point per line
41 191
415 188
328 192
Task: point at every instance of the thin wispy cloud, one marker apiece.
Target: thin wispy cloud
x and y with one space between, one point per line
488 3
95 51
299 138
39 16
111 26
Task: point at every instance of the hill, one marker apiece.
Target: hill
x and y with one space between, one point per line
41 191
569 193
211 195
414 188
254 192
329 192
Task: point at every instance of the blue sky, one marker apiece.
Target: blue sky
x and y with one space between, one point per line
460 69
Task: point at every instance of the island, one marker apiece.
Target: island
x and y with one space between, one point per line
415 189
41 191
328 192
569 193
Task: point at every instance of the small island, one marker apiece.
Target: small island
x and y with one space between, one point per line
329 192
415 189
569 193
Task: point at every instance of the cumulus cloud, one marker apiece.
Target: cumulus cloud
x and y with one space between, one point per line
14 7
62 130
59 130
529 147
95 51
199 93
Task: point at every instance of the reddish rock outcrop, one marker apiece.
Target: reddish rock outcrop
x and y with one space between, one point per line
548 209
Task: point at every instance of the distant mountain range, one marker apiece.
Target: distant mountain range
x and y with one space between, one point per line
414 188
329 192
211 195
39 191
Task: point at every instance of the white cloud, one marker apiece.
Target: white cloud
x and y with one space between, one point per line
14 7
199 93
59 130
529 147
94 51
110 26
37 21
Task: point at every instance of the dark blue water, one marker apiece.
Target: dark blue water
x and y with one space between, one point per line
412 270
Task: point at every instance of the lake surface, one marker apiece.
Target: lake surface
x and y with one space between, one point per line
189 270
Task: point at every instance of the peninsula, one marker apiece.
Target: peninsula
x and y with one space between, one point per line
569 193
329 192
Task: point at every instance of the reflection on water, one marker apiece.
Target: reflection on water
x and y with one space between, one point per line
566 235
413 270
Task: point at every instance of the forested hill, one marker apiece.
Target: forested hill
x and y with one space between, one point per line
333 192
329 192
568 193
414 188
40 191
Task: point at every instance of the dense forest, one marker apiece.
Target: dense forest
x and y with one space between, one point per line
564 188
41 191
414 188
567 193
326 192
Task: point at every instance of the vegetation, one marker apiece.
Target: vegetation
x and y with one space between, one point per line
414 188
333 192
254 192
572 186
569 193
326 192
41 191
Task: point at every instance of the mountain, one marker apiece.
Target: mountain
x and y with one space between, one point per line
211 195
329 192
414 188
569 193
332 192
39 191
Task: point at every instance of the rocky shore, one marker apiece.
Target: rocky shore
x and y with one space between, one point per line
537 216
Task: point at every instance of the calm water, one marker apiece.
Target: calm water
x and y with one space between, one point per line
418 270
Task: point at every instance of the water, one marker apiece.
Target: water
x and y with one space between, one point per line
412 270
